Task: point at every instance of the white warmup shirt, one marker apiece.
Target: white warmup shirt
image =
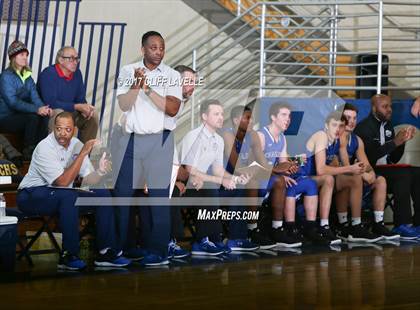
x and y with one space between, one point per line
49 160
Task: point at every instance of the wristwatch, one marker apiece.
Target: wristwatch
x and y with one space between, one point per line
148 91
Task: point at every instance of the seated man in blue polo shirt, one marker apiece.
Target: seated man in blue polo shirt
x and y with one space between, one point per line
47 190
61 87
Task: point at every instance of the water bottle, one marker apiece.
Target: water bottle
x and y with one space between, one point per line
2 206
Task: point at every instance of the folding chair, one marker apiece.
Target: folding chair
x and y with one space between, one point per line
189 217
25 243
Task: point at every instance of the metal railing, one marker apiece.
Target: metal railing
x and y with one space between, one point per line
36 31
47 25
329 35
104 65
208 60
310 45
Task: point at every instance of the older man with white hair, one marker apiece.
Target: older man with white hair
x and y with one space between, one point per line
61 87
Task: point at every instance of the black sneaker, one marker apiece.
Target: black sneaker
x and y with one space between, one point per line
259 238
295 233
111 259
314 235
359 233
284 238
328 233
381 230
342 231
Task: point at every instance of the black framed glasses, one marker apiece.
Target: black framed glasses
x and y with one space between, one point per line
71 58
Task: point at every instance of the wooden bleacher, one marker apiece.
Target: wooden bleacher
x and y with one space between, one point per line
27 226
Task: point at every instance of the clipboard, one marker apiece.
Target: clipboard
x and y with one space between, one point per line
78 189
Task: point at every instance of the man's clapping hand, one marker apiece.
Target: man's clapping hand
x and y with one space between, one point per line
88 146
105 165
139 78
404 135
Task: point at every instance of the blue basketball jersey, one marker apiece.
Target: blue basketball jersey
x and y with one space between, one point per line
352 147
242 148
272 149
332 151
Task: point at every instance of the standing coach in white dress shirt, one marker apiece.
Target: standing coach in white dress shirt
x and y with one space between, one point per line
149 93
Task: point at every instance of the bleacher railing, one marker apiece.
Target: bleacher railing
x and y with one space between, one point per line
100 45
30 22
310 45
47 25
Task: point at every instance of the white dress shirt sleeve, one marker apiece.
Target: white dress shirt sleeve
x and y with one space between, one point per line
175 87
125 80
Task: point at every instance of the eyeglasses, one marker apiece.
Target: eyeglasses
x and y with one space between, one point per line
71 58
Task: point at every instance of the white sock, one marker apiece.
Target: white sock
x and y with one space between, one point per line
252 226
342 217
379 216
356 221
276 224
325 222
103 251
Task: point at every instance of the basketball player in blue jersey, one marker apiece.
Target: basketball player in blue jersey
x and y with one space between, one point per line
352 149
325 145
275 149
242 146
273 144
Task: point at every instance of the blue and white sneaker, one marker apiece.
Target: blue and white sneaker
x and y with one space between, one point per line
406 232
135 254
242 245
111 259
417 229
154 260
205 248
68 261
175 251
223 247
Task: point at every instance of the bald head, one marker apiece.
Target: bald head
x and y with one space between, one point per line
382 107
380 98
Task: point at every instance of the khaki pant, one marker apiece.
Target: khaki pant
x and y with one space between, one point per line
88 128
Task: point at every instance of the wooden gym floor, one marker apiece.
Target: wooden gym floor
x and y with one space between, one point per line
367 277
